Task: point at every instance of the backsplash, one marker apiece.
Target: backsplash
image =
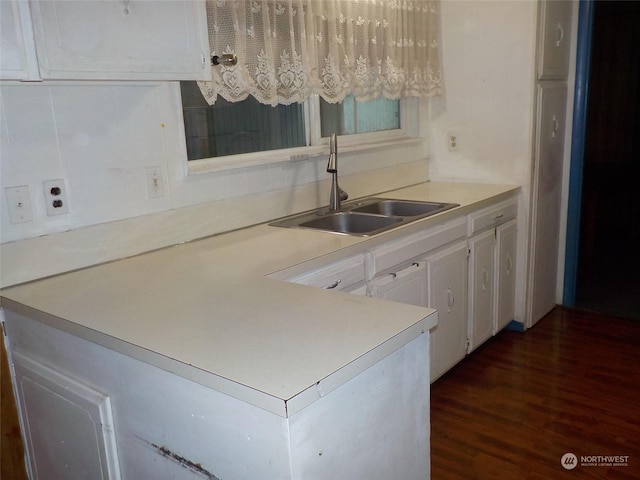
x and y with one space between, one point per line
105 139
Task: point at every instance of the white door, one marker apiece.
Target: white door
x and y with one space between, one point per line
447 280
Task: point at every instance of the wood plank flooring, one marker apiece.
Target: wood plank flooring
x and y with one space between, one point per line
512 409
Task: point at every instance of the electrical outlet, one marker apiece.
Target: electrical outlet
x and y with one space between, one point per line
55 197
453 139
19 204
155 182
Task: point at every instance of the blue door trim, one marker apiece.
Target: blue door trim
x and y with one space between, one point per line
583 57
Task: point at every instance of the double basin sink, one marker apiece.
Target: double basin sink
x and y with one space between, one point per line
365 217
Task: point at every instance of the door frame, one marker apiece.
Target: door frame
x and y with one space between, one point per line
578 134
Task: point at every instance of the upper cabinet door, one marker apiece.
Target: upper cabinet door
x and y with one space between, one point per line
555 39
122 39
17 49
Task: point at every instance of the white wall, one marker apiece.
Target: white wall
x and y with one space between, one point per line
101 137
488 71
489 49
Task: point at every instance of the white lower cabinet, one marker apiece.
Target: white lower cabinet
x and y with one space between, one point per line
407 285
437 281
505 298
492 246
88 413
464 268
447 279
481 288
69 423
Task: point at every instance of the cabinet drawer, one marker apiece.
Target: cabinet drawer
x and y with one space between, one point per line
397 252
339 275
492 216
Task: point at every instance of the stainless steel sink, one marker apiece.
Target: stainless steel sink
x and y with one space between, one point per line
365 217
402 208
352 223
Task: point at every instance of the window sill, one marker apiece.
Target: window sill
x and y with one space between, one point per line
212 165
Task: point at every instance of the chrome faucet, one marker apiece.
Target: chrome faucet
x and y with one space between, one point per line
337 194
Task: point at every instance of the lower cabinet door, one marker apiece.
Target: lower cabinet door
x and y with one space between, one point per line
447 293
407 285
69 428
506 241
481 288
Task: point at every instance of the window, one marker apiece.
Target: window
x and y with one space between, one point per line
224 128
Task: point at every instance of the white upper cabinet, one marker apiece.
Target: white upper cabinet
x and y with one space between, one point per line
121 39
554 39
18 59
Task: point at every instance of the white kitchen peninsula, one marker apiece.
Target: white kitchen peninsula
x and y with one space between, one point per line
190 362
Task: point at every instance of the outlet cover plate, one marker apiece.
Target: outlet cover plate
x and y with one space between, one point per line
55 197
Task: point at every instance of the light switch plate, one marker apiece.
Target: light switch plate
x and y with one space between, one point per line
19 204
155 182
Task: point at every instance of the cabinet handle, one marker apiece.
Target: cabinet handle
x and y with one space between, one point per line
452 300
509 264
560 32
334 285
226 60
555 127
485 279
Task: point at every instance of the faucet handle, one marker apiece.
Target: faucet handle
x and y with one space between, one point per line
332 165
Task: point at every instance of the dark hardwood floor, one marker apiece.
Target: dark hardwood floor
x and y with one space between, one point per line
513 408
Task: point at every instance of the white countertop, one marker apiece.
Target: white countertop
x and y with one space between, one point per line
206 310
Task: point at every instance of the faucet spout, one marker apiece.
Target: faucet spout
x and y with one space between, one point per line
337 195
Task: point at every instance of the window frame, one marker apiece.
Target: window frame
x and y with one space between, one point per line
316 145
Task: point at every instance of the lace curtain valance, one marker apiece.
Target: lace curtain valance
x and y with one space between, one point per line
288 49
